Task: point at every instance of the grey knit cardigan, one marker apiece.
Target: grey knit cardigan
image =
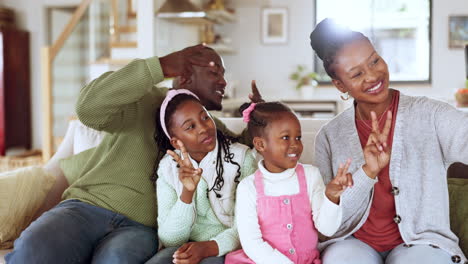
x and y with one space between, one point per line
429 135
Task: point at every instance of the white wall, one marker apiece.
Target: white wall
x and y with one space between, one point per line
269 65
31 16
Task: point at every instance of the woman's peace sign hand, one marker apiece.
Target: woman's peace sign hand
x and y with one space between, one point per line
377 152
188 175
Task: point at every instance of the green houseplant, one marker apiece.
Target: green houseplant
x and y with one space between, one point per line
306 81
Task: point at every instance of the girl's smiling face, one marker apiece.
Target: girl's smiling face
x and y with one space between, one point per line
281 145
191 124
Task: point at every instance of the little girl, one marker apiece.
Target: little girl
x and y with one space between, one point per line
196 183
280 208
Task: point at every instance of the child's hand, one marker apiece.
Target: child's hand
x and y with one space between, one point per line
339 184
188 175
194 252
377 151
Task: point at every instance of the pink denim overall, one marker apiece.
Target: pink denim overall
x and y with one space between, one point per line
286 224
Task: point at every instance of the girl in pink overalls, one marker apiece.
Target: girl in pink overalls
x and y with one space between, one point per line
282 205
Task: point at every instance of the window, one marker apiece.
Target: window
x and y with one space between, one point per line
399 30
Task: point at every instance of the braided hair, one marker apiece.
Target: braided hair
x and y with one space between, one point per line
328 38
164 144
263 114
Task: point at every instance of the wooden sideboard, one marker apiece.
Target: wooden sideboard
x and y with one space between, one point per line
15 102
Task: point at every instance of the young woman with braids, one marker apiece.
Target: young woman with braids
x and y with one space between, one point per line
401 146
196 183
281 206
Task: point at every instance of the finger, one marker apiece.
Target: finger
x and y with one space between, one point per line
349 179
346 166
387 148
201 61
175 156
387 127
181 261
373 149
375 123
340 171
255 91
182 249
183 255
373 140
187 172
342 181
187 72
183 151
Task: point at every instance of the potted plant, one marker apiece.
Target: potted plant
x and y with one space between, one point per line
306 81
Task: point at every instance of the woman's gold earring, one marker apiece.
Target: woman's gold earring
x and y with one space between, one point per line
344 96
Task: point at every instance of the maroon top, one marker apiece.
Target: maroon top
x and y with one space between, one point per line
380 230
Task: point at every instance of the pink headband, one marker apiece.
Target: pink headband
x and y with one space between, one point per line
247 111
169 96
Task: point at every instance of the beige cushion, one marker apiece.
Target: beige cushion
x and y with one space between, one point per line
22 193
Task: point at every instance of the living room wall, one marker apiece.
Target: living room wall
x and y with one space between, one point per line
271 65
447 64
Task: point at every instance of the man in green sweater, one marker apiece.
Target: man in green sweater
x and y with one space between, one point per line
109 210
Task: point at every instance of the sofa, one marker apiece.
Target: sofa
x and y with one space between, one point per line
79 138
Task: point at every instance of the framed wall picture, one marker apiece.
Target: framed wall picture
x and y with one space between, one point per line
458 31
274 25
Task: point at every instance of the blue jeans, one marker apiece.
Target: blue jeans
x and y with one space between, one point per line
354 251
77 232
165 257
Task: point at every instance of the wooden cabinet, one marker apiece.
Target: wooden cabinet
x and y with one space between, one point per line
15 114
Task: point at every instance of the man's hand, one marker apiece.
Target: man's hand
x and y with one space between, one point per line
255 96
180 63
194 252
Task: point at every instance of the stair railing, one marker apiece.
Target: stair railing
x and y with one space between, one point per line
48 55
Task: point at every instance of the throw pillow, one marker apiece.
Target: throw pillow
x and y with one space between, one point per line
22 193
458 192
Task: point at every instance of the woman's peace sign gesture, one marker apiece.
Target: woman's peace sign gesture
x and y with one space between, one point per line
188 175
377 152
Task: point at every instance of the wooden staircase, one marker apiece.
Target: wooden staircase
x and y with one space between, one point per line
109 53
123 43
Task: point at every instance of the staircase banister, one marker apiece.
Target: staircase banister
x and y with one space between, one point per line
77 15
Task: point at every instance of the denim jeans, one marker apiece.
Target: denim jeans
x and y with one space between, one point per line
354 251
77 232
165 257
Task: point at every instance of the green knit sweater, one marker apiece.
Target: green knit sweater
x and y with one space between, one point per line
116 175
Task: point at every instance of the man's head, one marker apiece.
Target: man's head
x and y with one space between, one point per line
207 83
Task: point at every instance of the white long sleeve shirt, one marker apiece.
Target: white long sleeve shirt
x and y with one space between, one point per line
326 215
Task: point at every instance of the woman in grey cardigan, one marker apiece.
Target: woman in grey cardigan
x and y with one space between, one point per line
398 209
